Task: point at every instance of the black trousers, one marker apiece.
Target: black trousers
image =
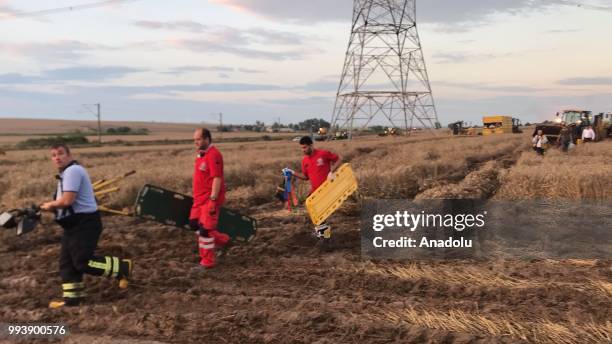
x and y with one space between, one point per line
79 243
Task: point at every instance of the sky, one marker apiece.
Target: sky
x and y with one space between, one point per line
189 60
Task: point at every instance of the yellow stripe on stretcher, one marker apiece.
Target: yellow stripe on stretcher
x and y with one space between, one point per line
331 194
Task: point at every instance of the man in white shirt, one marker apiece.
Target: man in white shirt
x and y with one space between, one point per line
588 134
539 141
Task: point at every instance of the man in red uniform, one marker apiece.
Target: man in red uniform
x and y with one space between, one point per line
208 197
318 165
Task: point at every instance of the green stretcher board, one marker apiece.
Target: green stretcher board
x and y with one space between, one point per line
172 208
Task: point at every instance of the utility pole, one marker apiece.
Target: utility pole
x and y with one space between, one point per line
220 128
220 125
99 125
97 113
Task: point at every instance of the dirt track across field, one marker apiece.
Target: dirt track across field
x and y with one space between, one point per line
283 287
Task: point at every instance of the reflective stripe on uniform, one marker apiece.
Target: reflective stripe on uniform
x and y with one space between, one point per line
96 265
74 294
107 268
207 243
115 266
70 286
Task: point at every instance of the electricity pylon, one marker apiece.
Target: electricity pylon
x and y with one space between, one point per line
384 72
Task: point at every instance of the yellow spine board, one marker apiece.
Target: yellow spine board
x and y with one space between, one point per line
331 194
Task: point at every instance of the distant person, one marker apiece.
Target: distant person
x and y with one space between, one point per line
208 197
539 142
318 165
565 138
76 211
588 134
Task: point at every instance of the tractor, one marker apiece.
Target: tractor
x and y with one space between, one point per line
390 132
576 120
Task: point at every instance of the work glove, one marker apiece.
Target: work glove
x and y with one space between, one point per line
331 176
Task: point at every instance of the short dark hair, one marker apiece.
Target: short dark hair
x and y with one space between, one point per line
60 145
306 140
206 134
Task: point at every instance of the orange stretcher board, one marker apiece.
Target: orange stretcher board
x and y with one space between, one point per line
331 194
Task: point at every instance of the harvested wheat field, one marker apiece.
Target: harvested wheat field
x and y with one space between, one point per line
282 287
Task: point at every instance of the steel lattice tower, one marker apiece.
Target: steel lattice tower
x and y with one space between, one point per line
384 71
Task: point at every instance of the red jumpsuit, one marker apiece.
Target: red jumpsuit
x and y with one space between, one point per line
208 165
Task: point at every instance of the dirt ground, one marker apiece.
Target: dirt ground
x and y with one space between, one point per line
283 287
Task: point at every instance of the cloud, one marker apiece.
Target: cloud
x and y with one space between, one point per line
251 71
307 101
226 33
91 73
194 69
313 10
587 81
202 45
563 31
322 86
60 75
431 11
60 51
118 104
175 25
489 87
222 69
462 57
229 40
129 91
527 107
6 12
15 78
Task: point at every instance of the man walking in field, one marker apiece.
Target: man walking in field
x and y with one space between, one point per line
76 211
565 138
318 165
539 142
588 134
208 197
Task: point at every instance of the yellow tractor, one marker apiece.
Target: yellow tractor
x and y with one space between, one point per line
500 125
461 128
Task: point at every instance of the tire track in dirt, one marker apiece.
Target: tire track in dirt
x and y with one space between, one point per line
481 182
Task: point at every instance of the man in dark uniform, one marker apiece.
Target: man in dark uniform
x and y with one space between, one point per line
76 211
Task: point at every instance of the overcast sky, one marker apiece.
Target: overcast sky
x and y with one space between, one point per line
184 60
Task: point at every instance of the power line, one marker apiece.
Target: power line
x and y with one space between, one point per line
74 8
